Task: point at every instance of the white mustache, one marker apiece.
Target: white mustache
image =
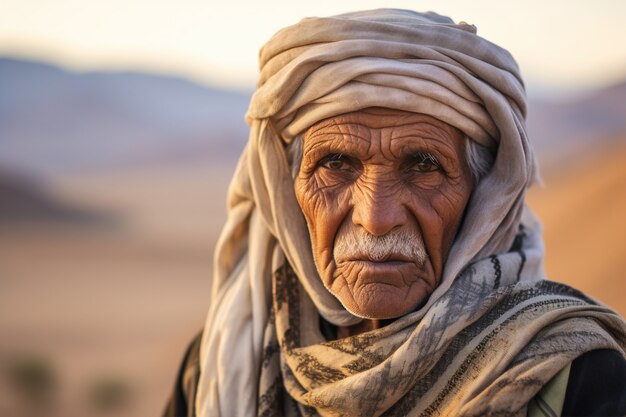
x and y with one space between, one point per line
355 243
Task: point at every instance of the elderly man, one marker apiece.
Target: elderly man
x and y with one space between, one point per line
378 257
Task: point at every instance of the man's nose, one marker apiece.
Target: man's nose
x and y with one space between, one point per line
379 209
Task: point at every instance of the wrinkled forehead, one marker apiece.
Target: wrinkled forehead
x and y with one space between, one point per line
380 117
377 118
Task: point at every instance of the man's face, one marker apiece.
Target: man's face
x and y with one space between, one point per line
383 193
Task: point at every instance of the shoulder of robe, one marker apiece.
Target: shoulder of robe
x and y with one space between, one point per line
596 385
182 398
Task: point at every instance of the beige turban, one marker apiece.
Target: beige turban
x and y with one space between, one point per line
323 67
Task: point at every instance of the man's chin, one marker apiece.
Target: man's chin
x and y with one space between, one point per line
381 301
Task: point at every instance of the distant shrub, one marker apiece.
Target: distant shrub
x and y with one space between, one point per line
33 379
108 393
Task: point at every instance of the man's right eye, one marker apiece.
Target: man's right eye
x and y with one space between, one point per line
334 162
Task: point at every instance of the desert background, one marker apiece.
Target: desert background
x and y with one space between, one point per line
112 194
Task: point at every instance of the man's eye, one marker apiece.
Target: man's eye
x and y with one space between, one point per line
425 162
334 162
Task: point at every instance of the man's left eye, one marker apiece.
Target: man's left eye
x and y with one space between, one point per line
425 162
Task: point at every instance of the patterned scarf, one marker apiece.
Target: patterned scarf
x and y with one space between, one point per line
485 348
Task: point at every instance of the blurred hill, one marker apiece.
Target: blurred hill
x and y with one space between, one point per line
53 121
24 202
563 129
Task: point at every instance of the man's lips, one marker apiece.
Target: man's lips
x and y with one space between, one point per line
371 269
391 258
380 267
381 264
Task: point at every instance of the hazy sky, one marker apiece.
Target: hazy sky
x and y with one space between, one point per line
560 44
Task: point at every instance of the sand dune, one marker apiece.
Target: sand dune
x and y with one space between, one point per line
583 209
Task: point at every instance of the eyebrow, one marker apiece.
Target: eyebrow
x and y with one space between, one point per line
426 155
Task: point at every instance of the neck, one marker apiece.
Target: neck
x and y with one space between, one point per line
361 327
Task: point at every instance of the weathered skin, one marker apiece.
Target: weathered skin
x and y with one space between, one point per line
367 170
